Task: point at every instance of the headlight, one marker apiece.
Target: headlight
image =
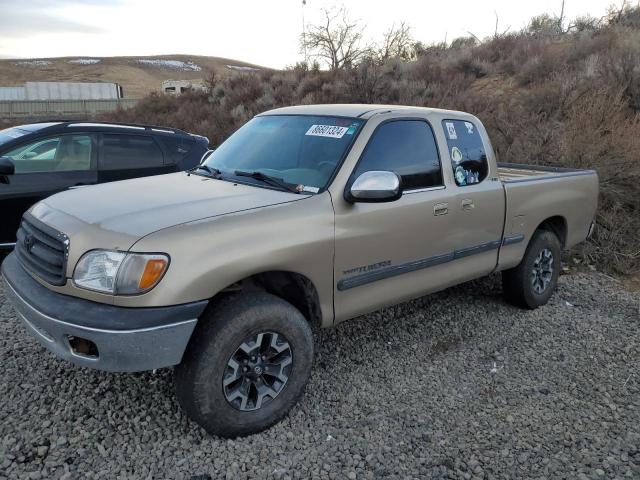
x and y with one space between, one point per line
120 273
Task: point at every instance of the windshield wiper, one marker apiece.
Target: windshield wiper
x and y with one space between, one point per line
213 172
277 182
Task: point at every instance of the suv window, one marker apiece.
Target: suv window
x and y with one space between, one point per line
53 154
468 156
120 152
406 147
177 146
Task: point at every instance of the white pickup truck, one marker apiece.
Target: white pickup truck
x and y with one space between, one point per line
306 215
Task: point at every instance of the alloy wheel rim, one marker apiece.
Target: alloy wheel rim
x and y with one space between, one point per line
542 271
258 371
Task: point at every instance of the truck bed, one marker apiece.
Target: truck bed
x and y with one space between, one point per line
515 172
535 194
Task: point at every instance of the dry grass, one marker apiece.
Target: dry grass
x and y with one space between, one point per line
559 99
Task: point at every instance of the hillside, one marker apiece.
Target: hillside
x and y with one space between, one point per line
546 95
138 76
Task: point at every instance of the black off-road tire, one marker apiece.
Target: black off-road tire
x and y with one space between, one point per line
220 332
518 285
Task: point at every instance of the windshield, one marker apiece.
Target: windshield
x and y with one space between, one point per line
9 134
301 150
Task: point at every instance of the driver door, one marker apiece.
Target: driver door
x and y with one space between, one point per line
388 252
43 167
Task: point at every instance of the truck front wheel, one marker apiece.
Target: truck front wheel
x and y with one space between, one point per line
533 281
247 364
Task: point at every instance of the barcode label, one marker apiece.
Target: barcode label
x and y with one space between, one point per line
330 131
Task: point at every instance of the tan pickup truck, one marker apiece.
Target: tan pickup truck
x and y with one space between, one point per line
305 216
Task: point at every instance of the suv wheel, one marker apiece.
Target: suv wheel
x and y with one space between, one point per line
247 364
534 280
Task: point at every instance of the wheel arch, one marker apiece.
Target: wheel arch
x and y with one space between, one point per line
293 287
556 225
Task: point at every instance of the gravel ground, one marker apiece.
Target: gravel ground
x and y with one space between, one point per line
455 385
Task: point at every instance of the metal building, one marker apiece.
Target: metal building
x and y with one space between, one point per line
62 91
177 87
11 93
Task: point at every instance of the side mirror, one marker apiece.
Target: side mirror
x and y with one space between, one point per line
6 166
375 186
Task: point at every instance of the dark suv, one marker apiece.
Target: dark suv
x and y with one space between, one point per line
41 159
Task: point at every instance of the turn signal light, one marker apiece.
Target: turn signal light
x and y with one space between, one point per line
153 271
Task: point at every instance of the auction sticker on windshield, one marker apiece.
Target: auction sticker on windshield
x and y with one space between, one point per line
330 131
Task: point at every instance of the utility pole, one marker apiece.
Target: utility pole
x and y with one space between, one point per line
304 35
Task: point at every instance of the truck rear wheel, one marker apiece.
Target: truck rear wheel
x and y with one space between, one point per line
247 364
533 281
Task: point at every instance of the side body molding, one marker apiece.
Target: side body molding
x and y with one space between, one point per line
394 270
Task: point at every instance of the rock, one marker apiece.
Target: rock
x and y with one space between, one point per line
425 406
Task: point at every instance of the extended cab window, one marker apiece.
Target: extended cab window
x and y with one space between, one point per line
121 152
406 147
468 156
53 154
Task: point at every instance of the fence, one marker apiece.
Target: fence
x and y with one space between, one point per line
48 108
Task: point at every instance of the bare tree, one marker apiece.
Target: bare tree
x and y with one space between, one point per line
337 41
497 33
615 15
561 19
398 43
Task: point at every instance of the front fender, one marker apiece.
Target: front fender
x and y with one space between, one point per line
209 255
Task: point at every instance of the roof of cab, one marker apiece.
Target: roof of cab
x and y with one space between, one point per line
353 110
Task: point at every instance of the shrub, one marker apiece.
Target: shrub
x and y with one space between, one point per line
622 66
545 97
472 66
544 26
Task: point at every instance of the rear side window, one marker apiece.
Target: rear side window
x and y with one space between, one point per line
468 156
177 146
406 147
121 152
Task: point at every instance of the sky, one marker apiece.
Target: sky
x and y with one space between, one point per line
263 32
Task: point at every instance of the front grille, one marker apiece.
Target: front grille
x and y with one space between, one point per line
42 250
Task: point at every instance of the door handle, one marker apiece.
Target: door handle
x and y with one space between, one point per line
467 204
441 209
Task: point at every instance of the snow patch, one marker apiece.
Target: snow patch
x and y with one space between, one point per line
34 63
172 64
242 69
85 61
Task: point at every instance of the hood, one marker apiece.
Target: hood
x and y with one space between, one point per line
138 207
